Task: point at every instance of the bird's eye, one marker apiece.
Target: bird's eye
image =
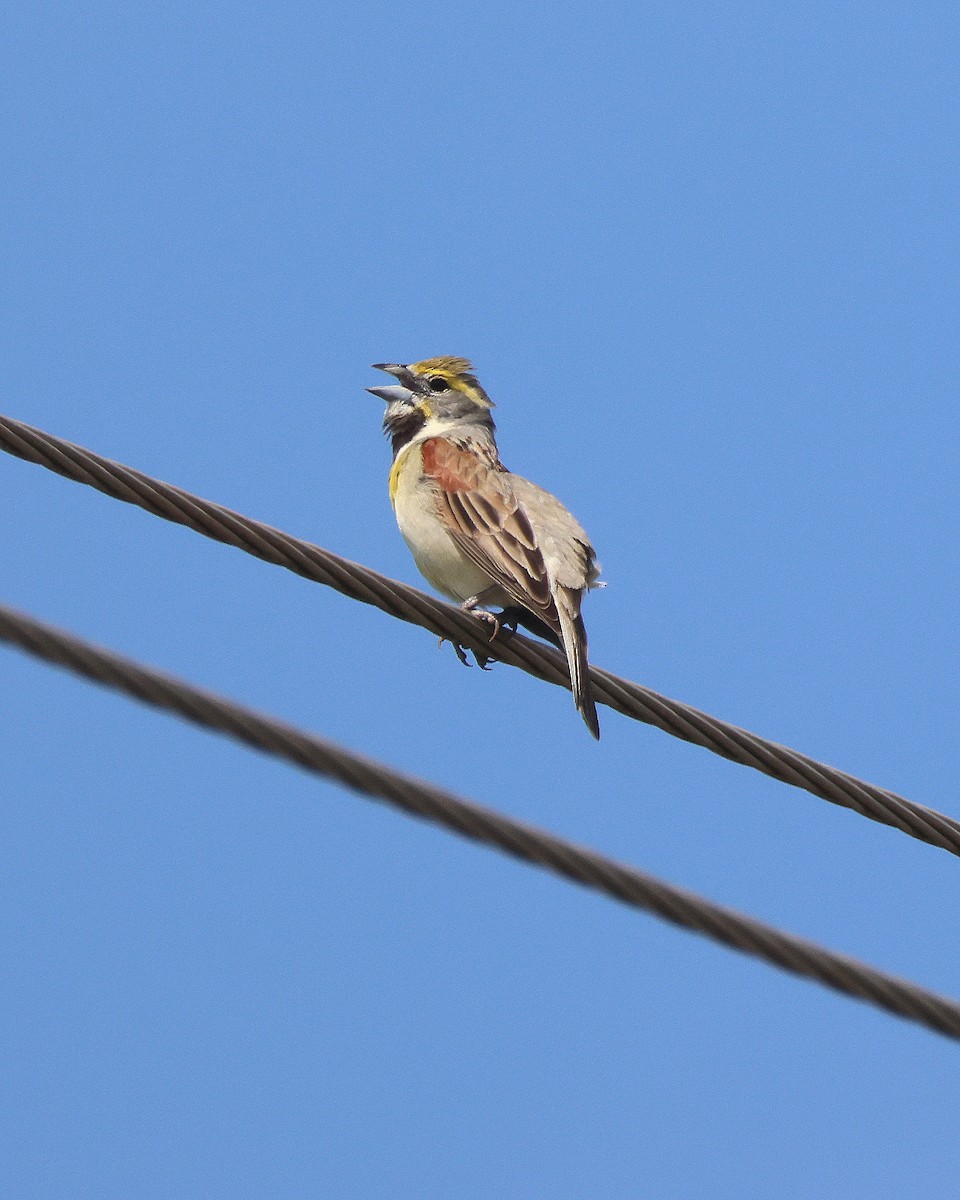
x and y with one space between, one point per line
437 383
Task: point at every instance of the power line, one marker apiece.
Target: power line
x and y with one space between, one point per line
522 841
409 604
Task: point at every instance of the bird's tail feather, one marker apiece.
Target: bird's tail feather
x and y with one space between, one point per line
574 635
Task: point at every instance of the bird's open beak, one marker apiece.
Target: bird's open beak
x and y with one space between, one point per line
392 394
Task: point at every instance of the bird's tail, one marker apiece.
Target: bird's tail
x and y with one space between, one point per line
574 635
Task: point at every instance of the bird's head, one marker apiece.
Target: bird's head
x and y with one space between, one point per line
440 390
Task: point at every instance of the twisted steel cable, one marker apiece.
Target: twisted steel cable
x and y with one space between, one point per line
522 841
446 620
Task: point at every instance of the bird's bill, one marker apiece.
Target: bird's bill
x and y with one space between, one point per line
393 395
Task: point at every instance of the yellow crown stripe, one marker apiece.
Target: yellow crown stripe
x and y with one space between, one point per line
458 374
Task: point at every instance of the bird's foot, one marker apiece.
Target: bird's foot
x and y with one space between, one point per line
483 660
472 606
489 617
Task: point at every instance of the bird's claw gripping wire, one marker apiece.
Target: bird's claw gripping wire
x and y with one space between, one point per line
483 660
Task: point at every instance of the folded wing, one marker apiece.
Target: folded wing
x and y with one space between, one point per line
476 502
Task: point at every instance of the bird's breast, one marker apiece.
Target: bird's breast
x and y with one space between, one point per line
436 553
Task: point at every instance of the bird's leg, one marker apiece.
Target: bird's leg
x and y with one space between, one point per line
472 605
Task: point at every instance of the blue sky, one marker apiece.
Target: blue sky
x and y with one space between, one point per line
705 260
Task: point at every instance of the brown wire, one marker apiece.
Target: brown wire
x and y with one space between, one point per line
525 842
409 604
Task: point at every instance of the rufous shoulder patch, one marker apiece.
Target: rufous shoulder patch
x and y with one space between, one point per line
455 470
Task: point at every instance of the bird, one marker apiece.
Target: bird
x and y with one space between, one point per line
478 533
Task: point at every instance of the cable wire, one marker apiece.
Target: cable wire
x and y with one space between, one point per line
522 841
446 620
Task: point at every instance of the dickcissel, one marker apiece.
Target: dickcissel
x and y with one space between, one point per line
478 533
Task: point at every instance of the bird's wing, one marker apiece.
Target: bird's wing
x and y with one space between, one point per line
479 504
476 502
